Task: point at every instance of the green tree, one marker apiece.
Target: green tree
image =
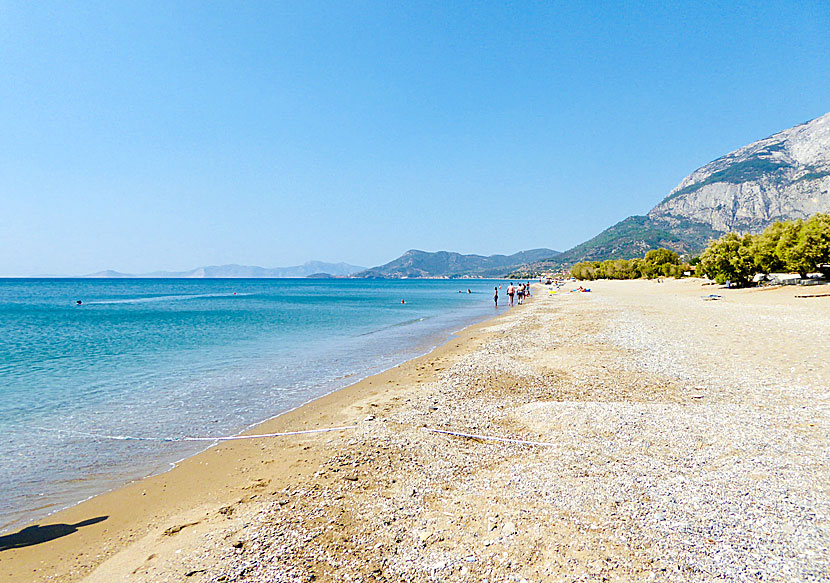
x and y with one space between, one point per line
730 258
662 256
583 270
787 247
811 246
656 263
659 263
765 249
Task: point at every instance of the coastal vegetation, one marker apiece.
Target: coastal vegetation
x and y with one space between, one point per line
656 263
796 246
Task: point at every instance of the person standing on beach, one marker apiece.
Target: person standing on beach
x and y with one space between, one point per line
496 296
510 291
520 294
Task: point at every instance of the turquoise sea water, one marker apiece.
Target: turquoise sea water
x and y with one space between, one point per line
174 358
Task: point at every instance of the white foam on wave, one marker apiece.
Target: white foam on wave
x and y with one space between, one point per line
159 391
163 299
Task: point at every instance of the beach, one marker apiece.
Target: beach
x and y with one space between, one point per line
633 433
163 361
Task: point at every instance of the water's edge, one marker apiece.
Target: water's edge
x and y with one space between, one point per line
150 468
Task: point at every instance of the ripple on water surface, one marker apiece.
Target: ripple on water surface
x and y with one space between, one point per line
174 358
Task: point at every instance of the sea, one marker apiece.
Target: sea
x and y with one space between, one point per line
163 359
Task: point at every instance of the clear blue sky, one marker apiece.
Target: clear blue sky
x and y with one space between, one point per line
141 136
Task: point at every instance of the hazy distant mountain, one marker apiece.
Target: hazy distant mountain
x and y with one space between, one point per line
109 274
244 271
782 177
415 264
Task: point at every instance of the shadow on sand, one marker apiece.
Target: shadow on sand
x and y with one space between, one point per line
34 535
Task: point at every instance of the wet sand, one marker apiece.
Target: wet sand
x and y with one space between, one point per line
62 547
677 439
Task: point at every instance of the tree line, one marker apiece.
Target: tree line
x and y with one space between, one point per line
656 263
797 246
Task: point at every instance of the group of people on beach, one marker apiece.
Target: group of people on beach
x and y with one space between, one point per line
520 293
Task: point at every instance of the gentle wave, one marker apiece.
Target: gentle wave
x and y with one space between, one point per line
174 358
392 326
162 299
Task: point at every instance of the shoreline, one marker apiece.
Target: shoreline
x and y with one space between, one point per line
103 481
63 564
658 437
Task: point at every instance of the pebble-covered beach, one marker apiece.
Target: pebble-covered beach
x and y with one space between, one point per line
672 439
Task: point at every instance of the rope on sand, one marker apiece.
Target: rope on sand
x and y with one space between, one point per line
223 438
490 438
286 434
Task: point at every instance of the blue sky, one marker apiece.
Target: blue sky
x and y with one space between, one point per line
141 136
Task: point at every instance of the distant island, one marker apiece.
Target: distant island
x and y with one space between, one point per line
310 268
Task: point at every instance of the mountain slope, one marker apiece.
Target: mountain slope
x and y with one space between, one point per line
635 235
415 263
785 176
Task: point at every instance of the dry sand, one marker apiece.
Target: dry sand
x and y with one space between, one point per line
684 440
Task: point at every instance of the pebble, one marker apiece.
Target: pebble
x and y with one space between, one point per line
642 482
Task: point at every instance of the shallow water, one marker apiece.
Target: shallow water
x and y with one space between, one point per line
174 358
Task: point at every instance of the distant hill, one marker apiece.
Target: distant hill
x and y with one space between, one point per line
785 176
635 235
445 264
244 271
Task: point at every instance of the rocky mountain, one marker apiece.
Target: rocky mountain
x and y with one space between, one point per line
309 268
445 264
785 176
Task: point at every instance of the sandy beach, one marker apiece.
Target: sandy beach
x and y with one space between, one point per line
656 436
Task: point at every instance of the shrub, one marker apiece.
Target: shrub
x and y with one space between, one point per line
656 263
